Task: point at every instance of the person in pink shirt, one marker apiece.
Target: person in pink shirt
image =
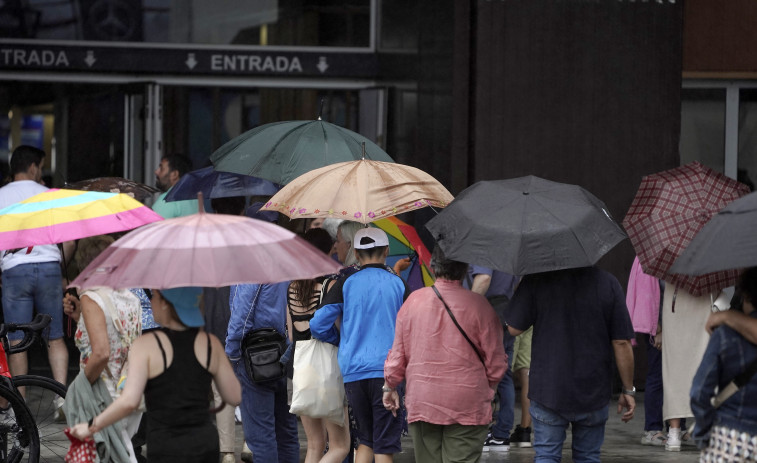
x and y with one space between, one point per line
450 380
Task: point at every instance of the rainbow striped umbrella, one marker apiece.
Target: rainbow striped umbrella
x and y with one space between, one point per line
59 215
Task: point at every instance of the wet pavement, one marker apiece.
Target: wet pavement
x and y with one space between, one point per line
622 444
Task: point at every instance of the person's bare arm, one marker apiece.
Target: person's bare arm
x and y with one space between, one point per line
624 359
129 399
481 283
223 374
742 324
97 330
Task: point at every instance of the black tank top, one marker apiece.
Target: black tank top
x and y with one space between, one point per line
296 309
178 404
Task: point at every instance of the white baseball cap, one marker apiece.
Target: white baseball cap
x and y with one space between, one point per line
369 238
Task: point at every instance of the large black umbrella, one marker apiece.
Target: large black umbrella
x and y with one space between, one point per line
526 225
726 242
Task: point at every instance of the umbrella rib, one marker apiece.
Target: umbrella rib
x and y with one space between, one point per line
562 222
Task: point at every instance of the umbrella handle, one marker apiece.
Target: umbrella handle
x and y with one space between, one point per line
64 271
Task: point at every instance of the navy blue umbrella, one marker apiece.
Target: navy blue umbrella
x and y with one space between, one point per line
215 184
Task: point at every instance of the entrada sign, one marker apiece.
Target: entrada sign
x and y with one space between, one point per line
21 57
30 56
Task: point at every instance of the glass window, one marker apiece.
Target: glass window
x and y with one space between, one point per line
197 121
399 25
327 23
703 127
747 161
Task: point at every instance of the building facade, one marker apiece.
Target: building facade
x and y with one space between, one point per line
592 92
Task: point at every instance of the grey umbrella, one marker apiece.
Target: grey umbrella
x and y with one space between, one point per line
726 242
526 225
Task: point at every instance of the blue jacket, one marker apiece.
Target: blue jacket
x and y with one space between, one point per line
252 307
368 302
727 355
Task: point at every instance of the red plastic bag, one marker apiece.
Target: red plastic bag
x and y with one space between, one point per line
81 451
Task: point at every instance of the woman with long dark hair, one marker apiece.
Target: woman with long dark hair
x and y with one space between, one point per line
303 298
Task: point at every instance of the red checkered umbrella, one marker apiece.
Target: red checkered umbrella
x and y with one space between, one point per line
668 210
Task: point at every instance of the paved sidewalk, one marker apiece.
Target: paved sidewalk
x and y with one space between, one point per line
621 444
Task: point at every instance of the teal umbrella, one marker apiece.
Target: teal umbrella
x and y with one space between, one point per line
282 151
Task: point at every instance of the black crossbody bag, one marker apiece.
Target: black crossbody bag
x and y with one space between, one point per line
262 349
454 320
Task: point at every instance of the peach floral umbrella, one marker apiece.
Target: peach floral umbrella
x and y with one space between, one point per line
361 191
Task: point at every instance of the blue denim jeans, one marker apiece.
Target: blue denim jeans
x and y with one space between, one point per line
269 429
506 390
27 287
653 389
549 433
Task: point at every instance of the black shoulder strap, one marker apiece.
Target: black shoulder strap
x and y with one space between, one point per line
746 375
207 363
454 320
162 351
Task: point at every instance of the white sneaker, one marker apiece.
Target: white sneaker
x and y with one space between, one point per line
246 453
229 458
656 438
673 444
59 416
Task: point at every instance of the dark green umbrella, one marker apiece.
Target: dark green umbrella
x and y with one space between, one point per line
282 151
526 225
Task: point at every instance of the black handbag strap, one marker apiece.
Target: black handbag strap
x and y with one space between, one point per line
746 375
454 320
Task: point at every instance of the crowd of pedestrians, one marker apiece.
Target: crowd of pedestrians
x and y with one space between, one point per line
442 361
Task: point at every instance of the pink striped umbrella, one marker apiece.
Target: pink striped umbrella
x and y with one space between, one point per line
210 250
55 216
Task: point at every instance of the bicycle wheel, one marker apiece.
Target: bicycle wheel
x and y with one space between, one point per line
19 440
42 395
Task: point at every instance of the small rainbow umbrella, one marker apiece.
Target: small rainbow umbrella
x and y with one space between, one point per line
404 240
59 215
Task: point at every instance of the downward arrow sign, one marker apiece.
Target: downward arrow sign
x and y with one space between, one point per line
191 62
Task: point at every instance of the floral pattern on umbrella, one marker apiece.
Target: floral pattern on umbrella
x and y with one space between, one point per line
361 191
669 208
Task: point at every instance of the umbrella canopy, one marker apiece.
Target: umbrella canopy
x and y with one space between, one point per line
210 250
215 184
670 207
726 242
282 151
404 240
55 216
361 191
136 190
526 225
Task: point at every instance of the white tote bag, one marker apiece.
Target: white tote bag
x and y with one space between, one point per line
318 388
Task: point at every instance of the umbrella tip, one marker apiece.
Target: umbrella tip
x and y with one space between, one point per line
320 110
200 203
363 151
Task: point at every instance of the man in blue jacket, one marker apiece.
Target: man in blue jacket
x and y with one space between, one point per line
269 429
367 302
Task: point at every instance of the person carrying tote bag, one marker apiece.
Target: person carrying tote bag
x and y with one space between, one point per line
318 389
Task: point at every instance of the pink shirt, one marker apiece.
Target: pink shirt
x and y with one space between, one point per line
643 300
446 382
